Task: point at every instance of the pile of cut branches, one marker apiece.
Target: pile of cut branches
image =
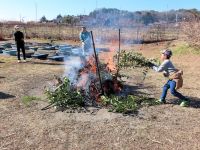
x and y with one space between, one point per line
126 104
68 96
65 96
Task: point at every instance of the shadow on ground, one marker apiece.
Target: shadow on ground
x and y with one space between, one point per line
138 90
48 63
5 96
135 90
194 102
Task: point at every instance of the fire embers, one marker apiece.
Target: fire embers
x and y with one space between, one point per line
89 83
109 59
95 91
112 86
89 65
87 73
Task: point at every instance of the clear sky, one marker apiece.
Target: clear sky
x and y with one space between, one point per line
26 9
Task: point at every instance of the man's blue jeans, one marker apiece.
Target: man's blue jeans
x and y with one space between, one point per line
171 85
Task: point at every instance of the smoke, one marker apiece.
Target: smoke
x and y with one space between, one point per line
80 69
106 22
106 33
72 65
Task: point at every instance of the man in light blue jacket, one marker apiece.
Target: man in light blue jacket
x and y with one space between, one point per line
85 38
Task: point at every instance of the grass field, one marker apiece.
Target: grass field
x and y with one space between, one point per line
165 127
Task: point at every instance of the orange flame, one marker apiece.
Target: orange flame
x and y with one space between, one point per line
90 67
108 57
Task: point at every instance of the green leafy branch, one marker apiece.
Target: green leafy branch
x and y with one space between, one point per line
64 96
127 104
134 59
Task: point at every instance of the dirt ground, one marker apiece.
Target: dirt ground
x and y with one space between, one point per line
168 127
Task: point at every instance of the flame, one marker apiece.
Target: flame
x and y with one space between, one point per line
84 73
92 64
108 57
111 67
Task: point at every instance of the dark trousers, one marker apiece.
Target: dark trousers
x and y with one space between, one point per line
21 46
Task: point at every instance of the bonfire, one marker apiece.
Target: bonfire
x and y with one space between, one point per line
98 83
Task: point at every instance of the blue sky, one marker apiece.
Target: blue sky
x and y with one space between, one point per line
25 9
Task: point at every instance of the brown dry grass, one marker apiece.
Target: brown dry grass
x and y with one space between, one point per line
158 127
103 34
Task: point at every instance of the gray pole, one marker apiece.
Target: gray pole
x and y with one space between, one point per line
119 53
97 64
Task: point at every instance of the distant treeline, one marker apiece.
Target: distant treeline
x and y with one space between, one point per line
115 17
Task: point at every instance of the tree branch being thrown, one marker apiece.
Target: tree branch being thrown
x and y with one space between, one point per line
135 60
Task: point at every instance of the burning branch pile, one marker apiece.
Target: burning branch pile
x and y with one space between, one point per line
86 88
97 83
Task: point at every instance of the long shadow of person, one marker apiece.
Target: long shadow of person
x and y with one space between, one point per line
194 102
5 96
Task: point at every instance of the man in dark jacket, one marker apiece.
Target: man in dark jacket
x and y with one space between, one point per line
19 39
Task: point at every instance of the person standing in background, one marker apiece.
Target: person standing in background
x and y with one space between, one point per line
85 38
19 40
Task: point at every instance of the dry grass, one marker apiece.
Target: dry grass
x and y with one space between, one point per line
159 127
192 33
101 34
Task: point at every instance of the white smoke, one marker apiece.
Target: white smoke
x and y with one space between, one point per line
72 65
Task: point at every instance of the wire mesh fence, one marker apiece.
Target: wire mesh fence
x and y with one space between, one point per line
102 34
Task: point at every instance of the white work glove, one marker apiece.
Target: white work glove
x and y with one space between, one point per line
155 68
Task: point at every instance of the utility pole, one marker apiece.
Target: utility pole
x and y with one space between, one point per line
167 15
176 18
35 17
20 18
96 4
36 12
